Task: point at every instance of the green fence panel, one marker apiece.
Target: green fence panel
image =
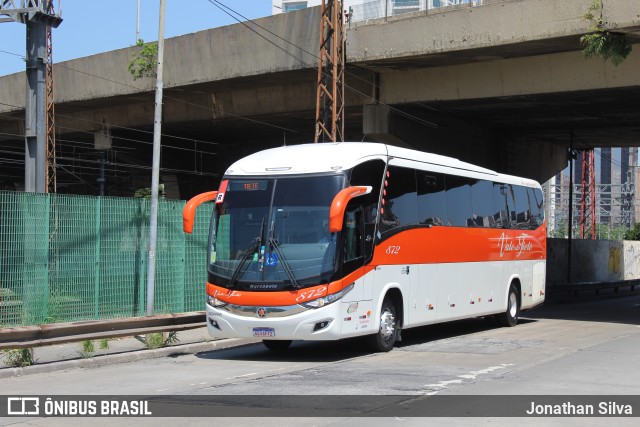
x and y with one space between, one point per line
68 258
170 259
122 261
24 233
72 258
12 256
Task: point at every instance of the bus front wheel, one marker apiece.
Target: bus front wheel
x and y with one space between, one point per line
510 317
277 345
387 332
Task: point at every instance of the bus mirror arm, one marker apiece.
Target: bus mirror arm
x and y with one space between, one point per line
339 205
189 210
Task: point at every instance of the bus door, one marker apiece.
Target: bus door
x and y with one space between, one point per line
353 253
356 304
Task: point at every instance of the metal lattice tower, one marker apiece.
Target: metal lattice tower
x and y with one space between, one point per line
330 101
588 196
51 128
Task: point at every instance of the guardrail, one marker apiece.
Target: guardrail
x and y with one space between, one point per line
60 333
596 287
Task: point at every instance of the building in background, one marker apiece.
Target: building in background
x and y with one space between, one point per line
617 207
362 10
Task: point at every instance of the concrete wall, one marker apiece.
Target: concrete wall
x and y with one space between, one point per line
592 261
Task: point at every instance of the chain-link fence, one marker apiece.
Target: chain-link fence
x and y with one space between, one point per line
67 258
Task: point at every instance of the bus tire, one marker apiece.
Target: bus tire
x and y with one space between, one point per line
510 317
277 345
387 323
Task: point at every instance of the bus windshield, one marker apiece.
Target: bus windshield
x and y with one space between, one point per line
273 233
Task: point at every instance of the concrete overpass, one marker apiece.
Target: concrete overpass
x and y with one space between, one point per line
502 85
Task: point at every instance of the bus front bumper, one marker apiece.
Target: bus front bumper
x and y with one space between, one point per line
278 323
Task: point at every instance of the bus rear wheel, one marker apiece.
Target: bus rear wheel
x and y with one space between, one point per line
387 324
277 345
510 317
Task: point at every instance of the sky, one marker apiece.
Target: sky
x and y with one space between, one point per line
91 27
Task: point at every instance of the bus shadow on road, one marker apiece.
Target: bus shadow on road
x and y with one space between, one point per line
300 351
334 351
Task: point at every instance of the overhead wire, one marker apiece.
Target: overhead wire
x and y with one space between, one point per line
165 96
222 7
111 126
110 163
123 138
226 10
61 141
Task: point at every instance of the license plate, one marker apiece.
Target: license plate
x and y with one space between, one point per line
264 332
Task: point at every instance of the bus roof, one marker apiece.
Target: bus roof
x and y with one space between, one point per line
332 157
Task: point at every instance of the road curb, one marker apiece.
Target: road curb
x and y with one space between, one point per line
125 357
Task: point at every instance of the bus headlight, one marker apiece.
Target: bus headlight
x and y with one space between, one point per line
215 302
322 301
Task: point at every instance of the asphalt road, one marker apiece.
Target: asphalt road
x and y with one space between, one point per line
589 346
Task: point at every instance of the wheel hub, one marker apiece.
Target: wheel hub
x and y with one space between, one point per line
513 305
387 325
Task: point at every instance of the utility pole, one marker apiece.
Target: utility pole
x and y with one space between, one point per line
572 156
138 23
38 16
155 170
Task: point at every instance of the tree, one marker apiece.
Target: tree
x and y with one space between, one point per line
633 233
144 62
602 42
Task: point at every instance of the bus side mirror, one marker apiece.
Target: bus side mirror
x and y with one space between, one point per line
339 204
189 210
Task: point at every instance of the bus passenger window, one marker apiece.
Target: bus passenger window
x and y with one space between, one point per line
399 203
482 204
432 204
522 207
501 209
536 204
369 174
458 200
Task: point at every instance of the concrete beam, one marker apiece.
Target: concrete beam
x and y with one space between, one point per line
552 73
465 34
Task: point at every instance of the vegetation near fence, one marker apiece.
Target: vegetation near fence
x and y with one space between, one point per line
67 258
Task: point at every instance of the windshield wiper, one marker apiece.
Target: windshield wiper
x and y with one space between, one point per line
255 245
285 264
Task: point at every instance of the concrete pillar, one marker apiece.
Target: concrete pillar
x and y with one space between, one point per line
35 112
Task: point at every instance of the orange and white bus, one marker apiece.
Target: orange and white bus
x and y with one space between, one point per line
329 241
